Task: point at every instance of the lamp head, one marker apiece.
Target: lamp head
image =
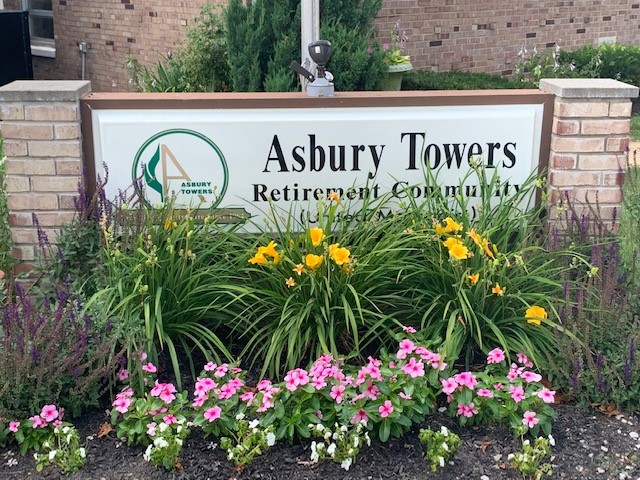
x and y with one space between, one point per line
320 51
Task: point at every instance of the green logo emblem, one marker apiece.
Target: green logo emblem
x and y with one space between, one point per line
181 163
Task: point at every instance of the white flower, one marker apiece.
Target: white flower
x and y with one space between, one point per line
56 430
52 455
163 426
445 446
314 445
69 438
230 455
178 428
35 456
366 435
356 441
343 428
525 443
46 444
147 453
441 461
510 457
320 427
240 416
271 439
444 430
315 458
65 430
552 441
327 435
160 442
254 423
179 441
331 449
82 452
346 463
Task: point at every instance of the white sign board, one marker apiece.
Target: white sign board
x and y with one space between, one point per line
291 157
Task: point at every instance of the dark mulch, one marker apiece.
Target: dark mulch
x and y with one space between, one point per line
589 445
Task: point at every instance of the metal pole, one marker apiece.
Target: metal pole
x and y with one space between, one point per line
310 32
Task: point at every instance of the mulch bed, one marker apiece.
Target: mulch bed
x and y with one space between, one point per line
589 445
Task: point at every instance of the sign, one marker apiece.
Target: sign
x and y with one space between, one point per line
246 160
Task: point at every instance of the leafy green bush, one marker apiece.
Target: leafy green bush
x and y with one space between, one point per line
635 128
201 65
620 62
425 80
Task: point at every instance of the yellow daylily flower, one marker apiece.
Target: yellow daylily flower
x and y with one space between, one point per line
451 241
290 282
498 290
458 251
313 261
477 239
451 225
438 228
340 255
535 314
317 235
298 268
473 279
258 259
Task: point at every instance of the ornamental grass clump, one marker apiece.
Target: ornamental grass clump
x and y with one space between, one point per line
479 276
171 279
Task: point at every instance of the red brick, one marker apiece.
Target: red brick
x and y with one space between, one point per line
566 127
605 127
563 162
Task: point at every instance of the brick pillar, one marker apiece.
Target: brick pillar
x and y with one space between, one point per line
40 122
589 142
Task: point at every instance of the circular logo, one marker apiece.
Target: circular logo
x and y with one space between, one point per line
181 164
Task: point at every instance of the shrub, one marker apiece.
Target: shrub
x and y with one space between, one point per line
200 66
620 62
53 352
425 80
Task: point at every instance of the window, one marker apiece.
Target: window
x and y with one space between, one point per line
41 27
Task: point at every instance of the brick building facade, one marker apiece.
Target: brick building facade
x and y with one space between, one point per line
479 36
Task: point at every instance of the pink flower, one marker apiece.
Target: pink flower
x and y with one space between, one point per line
247 397
204 385
406 347
514 372
529 419
149 368
236 383
466 379
517 393
165 391
122 404
210 367
409 329
143 356
524 360
336 393
547 396
449 385
414 369
198 402
467 410
392 364
235 370
38 422
226 391
49 413
295 378
169 419
213 413
263 385
371 391
495 356
404 396
123 374
319 383
483 392
151 429
13 426
385 409
360 416
319 414
498 386
531 376
221 371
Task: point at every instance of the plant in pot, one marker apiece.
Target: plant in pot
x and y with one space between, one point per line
397 62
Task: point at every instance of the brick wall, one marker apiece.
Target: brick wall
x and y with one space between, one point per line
589 143
453 34
486 35
40 123
113 30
